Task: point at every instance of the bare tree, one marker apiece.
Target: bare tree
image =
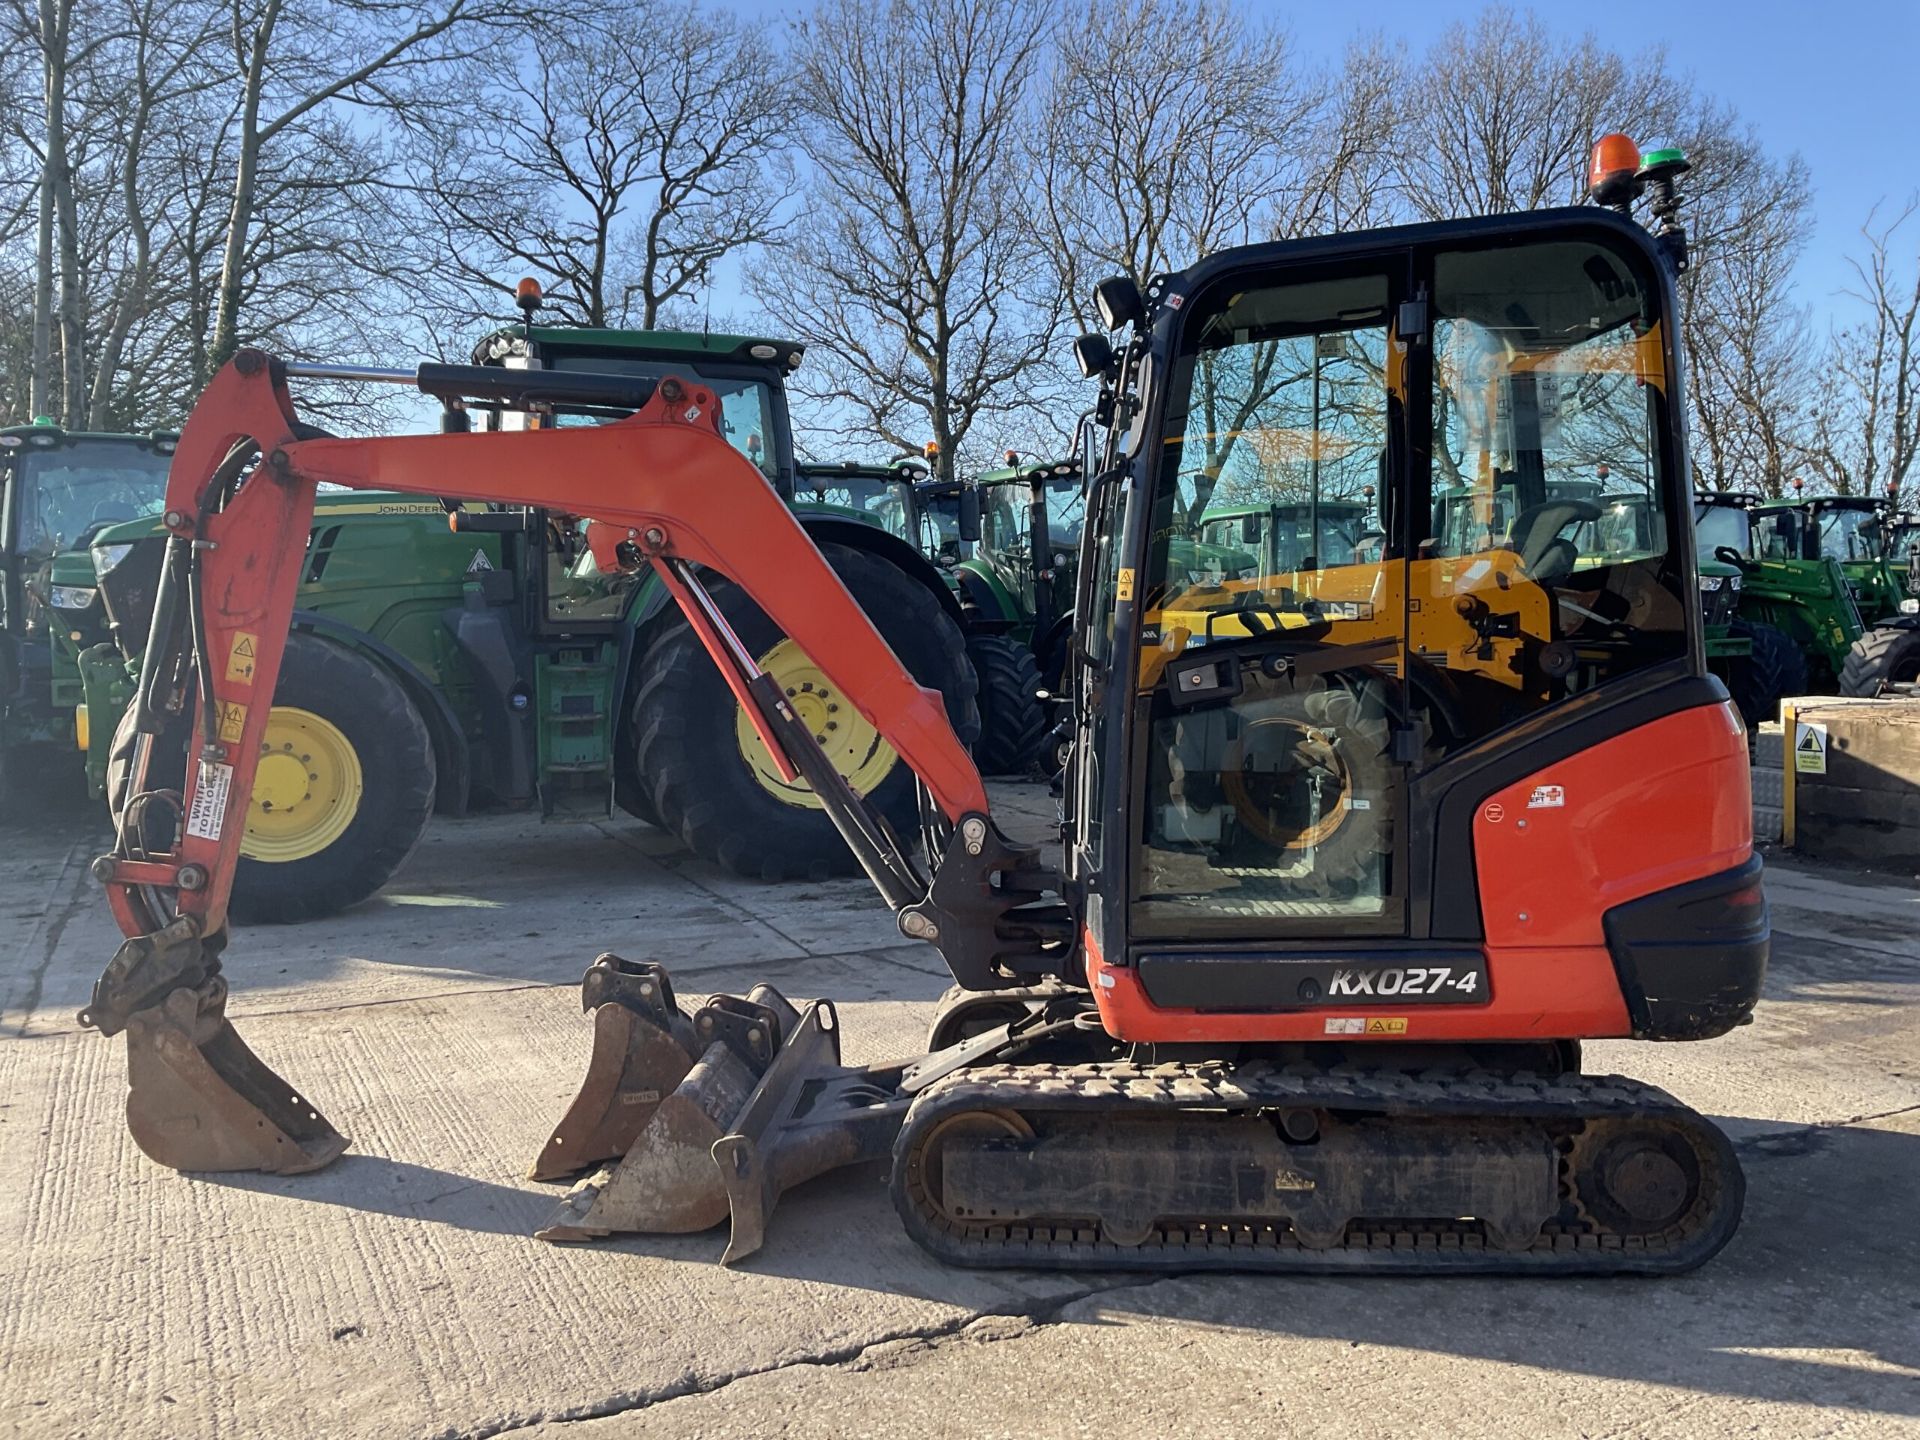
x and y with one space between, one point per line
1152 160
1746 340
1499 115
1866 429
290 63
917 258
623 163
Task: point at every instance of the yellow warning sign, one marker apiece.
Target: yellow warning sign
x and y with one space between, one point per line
1810 748
233 719
1123 584
1394 1026
240 657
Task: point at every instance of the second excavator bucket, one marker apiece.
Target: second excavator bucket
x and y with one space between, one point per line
197 1097
765 1106
643 1046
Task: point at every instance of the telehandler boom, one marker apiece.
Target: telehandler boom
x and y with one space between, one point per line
1353 856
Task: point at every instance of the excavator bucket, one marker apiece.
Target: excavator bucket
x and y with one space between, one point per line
197 1097
642 1049
766 1106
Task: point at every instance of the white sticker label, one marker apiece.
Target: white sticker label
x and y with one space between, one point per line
1809 748
1547 797
208 815
1346 1025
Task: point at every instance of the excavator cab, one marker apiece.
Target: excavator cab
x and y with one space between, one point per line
1289 747
1356 850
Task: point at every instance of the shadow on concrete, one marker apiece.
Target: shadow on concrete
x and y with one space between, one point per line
379 1186
1826 1261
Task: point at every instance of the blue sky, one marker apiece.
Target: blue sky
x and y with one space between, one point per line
1834 81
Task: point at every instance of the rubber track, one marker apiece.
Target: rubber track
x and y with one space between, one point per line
1578 1248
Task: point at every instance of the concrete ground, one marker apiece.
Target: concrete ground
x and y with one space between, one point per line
398 1293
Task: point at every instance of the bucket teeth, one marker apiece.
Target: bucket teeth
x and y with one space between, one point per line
642 1049
199 1099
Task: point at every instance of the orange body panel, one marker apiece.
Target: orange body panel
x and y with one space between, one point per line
1658 806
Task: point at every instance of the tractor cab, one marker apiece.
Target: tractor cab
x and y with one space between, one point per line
1031 513
1292 535
881 495
1858 532
58 490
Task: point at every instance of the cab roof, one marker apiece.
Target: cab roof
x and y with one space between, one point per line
630 344
45 432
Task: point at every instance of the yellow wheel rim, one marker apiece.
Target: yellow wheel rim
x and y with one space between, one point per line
1258 796
854 746
306 791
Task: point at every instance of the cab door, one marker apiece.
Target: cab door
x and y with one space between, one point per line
1272 735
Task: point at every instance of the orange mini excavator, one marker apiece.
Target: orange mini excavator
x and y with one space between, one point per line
1362 835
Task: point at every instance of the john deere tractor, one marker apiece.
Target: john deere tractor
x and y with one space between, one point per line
1876 554
1004 541
58 489
445 654
1831 559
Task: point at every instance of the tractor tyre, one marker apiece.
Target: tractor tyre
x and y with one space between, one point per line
1881 658
1012 724
342 796
1330 735
1760 680
711 780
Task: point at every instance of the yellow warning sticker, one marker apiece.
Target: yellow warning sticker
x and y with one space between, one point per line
233 719
240 657
1123 584
1394 1026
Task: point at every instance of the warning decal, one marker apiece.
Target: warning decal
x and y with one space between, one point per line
1123 585
1547 797
1809 748
1361 1025
207 816
480 564
240 657
233 718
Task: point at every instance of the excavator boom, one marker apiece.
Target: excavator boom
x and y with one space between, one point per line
662 489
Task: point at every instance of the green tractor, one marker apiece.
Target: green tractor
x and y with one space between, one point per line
447 654
1293 536
1876 551
1831 556
1005 542
58 488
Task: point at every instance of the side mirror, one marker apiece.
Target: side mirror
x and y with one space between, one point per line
1249 529
1093 355
1118 300
970 515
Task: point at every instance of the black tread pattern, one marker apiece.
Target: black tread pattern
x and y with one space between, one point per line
1012 723
1775 669
682 728
1559 1103
1882 657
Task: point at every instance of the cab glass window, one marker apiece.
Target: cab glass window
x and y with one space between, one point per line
1270 645
1553 560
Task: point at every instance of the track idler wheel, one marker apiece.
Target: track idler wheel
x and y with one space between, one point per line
643 1046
